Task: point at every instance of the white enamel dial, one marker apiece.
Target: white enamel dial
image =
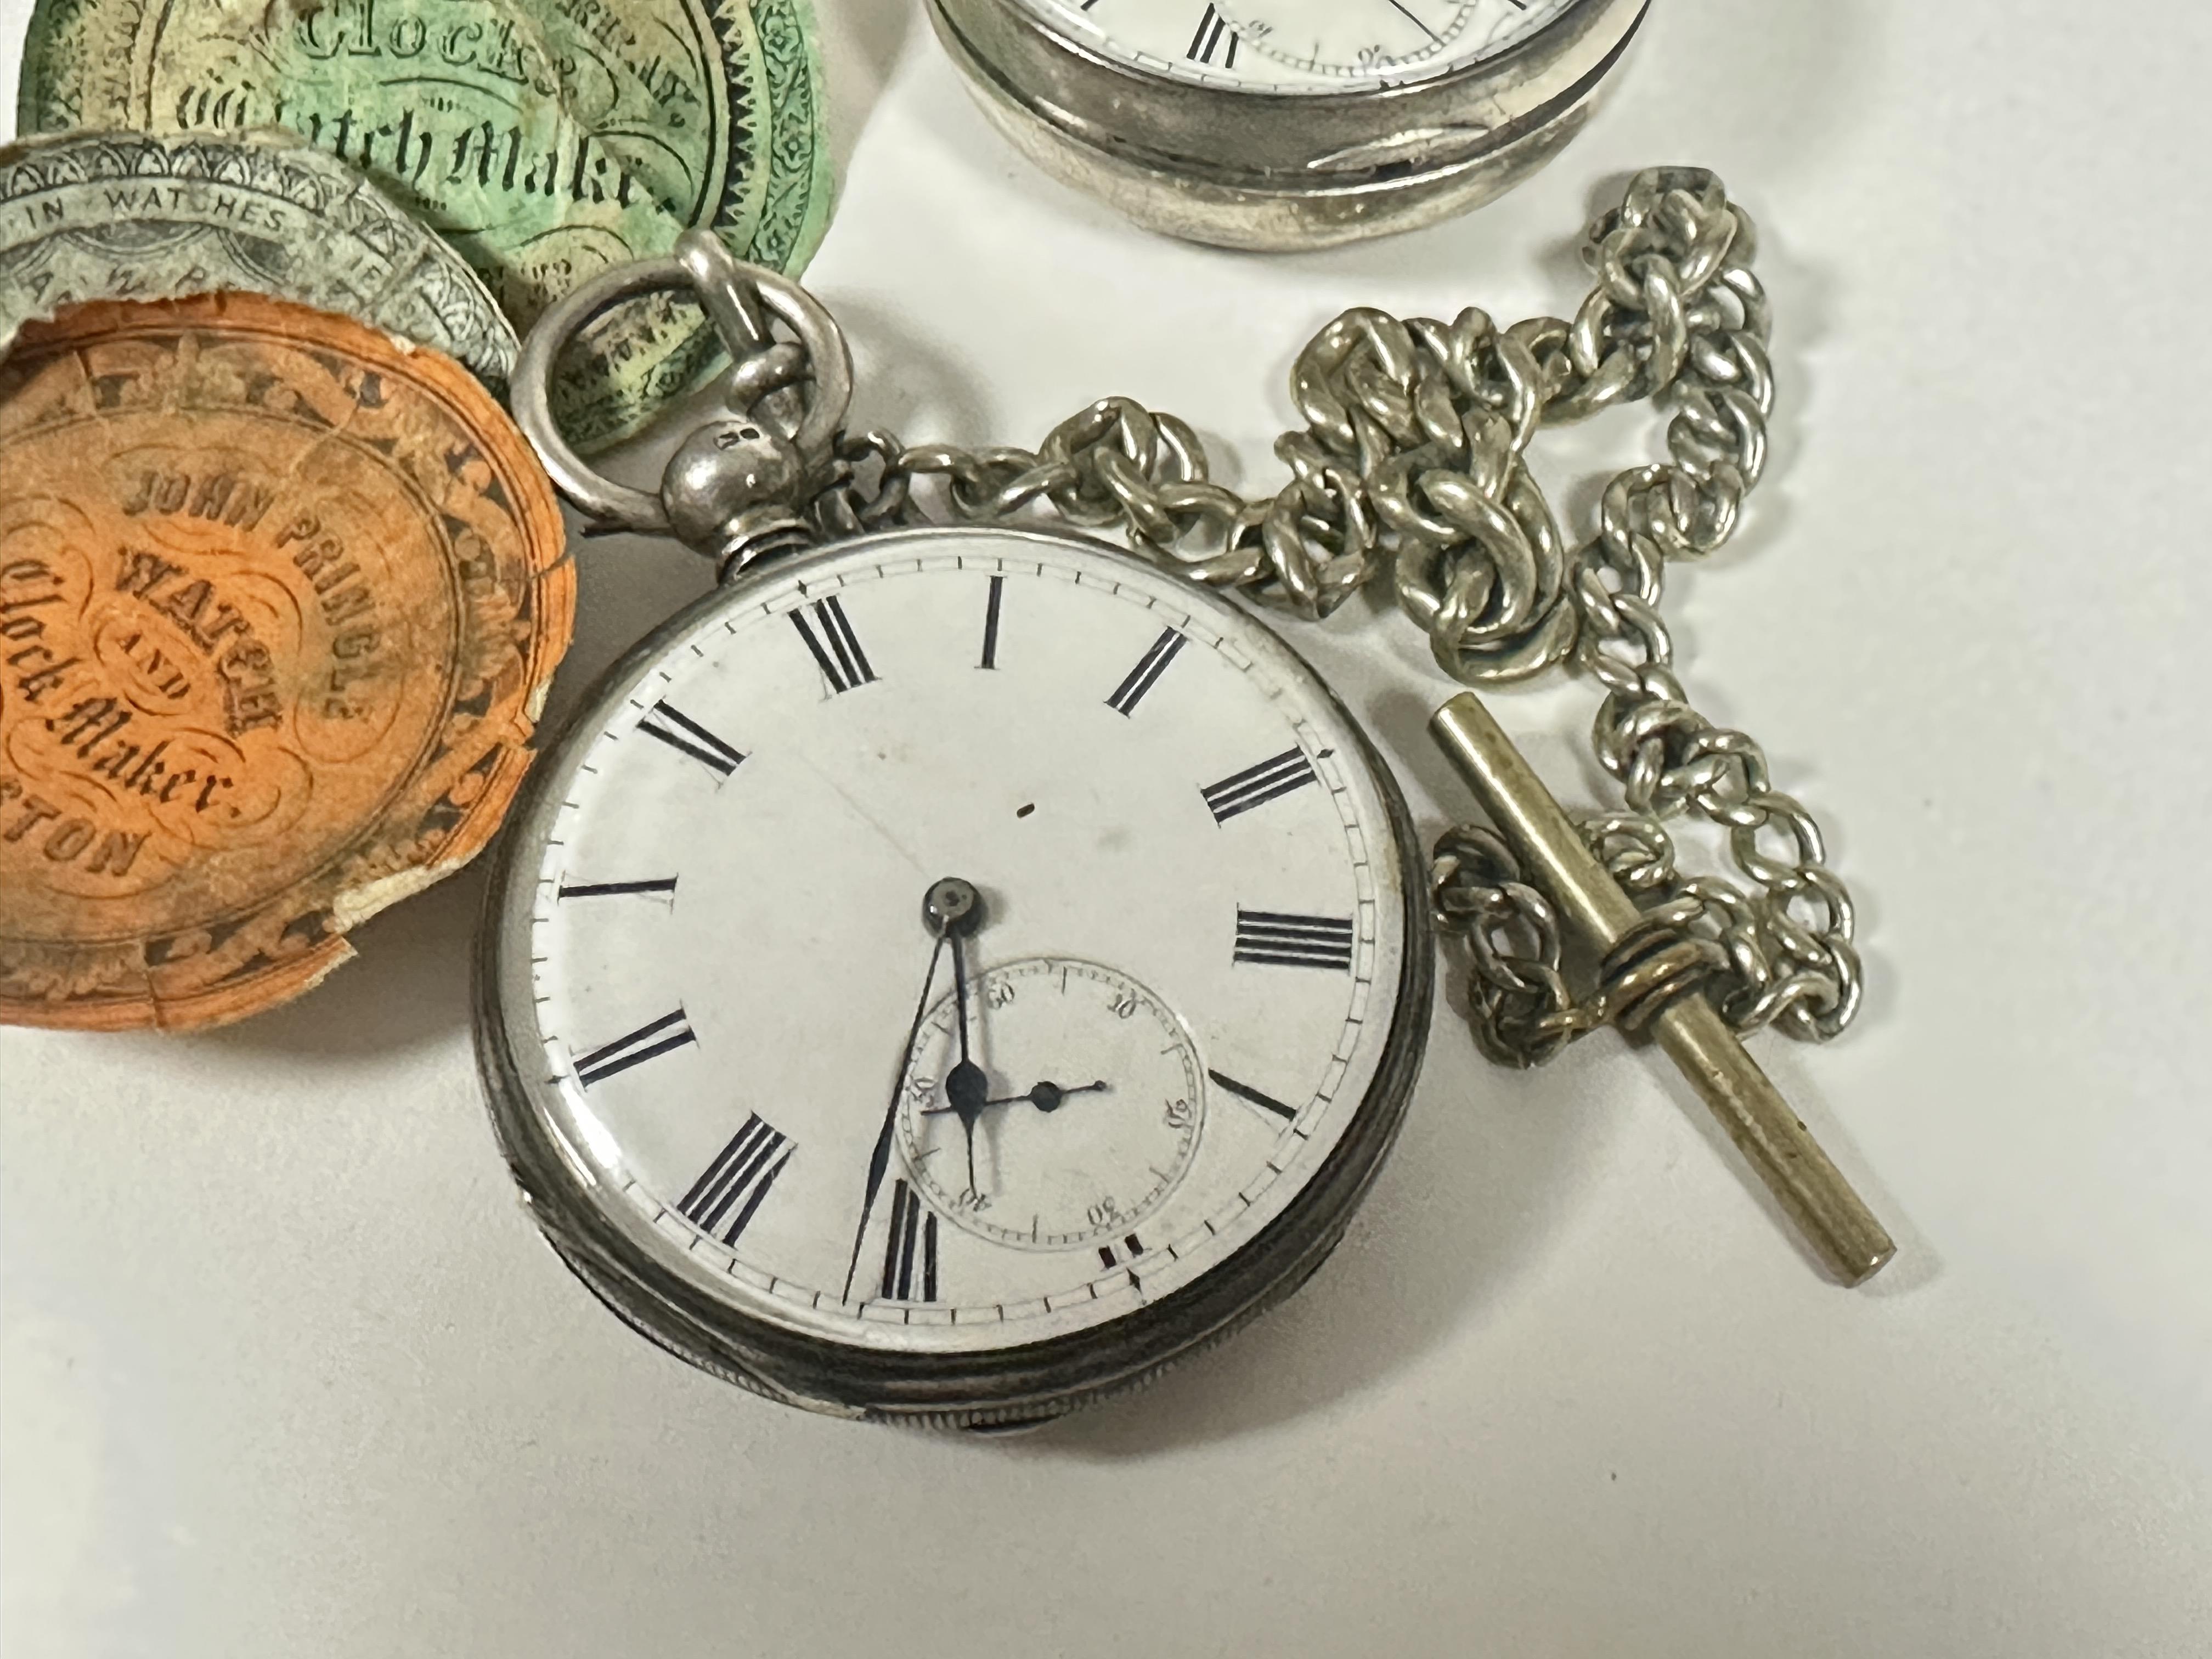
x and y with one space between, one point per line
742 1026
1298 46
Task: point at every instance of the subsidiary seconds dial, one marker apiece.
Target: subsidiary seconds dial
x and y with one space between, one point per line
960 945
1090 1148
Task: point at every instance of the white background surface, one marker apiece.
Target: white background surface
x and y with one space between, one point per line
283 1371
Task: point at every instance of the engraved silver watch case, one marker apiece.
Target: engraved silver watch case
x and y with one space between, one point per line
1248 137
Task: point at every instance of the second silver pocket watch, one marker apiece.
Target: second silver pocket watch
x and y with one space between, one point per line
1288 123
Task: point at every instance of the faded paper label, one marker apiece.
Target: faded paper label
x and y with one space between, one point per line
279 598
547 139
119 215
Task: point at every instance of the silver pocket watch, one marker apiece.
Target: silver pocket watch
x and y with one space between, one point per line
947 974
1288 123
954 970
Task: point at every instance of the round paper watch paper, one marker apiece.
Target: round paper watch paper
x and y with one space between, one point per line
546 142
279 599
134 216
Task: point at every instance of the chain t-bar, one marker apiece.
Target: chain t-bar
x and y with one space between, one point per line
1834 1221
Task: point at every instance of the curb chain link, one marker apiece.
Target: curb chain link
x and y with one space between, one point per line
1411 469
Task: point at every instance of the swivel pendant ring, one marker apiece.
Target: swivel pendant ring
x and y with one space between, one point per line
742 300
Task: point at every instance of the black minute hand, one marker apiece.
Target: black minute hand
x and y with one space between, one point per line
951 907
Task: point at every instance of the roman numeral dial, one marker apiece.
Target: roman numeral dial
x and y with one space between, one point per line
909 1249
723 1199
1215 41
658 884
649 1042
1253 1097
815 1093
1146 674
834 646
991 623
1270 938
673 726
1256 786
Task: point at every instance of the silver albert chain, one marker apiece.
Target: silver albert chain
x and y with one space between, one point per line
1410 470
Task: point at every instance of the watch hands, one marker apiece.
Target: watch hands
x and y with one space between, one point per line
881 1159
965 1084
1046 1097
951 908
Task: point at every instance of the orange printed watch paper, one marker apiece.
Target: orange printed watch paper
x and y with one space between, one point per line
279 599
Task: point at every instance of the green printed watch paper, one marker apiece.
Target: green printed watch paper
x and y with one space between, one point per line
547 139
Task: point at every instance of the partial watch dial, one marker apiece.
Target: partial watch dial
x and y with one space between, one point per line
1298 46
954 941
